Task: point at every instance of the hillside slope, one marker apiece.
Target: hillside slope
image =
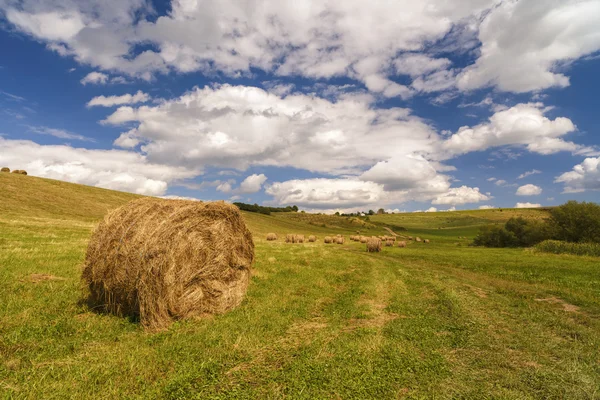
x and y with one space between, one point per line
28 196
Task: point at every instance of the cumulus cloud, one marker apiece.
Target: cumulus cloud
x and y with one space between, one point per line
95 78
111 101
540 35
110 169
461 195
529 190
239 126
584 176
528 205
523 124
252 184
486 207
326 193
324 39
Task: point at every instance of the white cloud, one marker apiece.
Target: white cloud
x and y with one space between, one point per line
584 176
529 173
500 182
491 179
59 133
486 207
529 190
326 193
523 43
431 209
110 169
95 78
523 124
251 184
528 205
239 126
110 101
461 195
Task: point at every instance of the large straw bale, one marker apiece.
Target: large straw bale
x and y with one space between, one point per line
401 243
5 169
164 260
312 238
271 236
364 239
328 239
339 240
373 245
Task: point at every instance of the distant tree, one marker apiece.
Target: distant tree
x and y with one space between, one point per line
576 222
371 212
337 213
295 208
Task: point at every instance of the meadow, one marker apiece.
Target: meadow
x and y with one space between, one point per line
440 320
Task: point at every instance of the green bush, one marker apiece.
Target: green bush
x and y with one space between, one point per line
561 247
576 222
517 232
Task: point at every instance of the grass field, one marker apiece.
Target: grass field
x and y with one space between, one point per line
443 320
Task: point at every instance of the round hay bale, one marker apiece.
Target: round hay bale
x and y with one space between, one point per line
373 245
299 238
16 171
389 243
312 238
426 241
418 239
165 260
290 238
410 238
339 240
401 243
5 169
23 172
327 239
271 236
364 239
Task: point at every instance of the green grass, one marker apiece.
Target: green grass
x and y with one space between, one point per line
442 320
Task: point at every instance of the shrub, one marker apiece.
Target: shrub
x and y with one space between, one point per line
560 247
576 222
517 232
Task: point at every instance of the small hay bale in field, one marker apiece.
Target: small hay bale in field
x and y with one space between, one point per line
426 241
410 238
418 239
401 243
5 169
271 236
389 243
299 239
23 172
339 240
165 260
290 238
373 245
312 238
364 239
328 239
16 171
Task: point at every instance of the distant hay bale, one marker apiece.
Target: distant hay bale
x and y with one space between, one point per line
364 239
373 245
271 236
23 172
339 240
401 243
5 169
418 239
389 243
426 241
327 239
165 260
19 171
312 238
410 238
299 239
338 235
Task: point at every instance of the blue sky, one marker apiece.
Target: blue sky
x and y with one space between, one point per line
327 105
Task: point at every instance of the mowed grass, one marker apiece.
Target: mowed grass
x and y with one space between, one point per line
319 321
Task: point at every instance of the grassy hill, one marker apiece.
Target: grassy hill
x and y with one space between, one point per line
442 320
